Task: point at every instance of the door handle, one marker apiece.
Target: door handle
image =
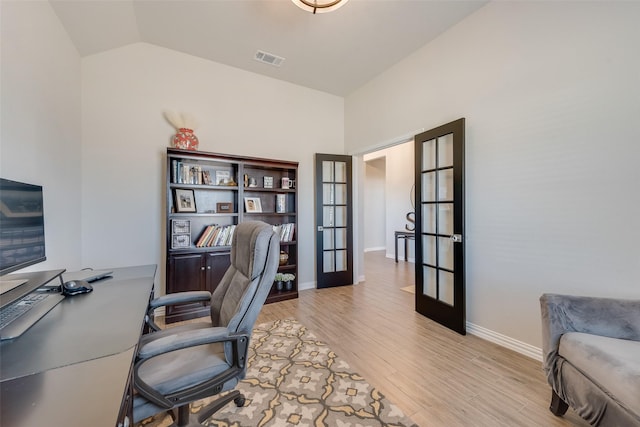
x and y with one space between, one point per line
456 238
320 228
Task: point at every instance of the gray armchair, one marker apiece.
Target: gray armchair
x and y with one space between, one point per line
182 364
591 356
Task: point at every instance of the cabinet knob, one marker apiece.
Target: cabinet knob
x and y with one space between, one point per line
202 268
208 267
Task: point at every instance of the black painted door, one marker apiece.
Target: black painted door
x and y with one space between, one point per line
440 280
334 221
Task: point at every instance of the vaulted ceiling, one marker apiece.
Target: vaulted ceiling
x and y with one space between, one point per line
334 52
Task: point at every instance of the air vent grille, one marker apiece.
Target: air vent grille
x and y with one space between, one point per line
269 58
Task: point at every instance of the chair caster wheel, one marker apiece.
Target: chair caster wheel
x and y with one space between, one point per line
239 401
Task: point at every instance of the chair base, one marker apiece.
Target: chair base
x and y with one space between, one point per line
182 416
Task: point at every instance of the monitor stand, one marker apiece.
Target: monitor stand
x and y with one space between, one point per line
30 282
6 285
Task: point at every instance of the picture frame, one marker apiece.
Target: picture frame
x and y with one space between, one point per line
180 226
268 182
184 200
180 241
252 205
224 207
223 177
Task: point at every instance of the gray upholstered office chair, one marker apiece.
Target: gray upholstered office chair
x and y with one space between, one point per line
179 365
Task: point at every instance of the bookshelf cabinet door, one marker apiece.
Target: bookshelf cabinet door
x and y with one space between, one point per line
186 272
216 266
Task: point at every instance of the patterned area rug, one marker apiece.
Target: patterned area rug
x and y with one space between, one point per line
295 380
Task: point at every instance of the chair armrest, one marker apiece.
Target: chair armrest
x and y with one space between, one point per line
184 339
180 298
609 317
173 299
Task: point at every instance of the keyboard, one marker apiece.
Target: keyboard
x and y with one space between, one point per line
23 313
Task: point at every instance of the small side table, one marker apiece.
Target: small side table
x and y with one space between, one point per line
406 235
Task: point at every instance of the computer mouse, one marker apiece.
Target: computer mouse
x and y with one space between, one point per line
75 287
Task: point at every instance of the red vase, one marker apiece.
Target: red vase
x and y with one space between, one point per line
185 139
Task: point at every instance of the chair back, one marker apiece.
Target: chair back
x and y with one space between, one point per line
255 253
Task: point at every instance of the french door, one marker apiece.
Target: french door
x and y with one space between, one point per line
439 177
334 221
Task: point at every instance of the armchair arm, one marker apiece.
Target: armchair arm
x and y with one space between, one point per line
616 318
174 299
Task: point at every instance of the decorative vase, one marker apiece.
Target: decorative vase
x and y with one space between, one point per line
279 286
288 285
185 139
284 257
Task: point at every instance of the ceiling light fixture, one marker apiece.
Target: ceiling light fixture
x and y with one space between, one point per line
319 6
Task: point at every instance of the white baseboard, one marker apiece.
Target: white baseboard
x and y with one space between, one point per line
306 286
378 248
505 341
401 258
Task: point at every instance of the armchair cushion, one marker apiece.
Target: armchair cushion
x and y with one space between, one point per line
611 363
591 357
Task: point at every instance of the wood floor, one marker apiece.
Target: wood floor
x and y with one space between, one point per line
437 377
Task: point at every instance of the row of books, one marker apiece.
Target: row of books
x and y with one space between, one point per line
216 235
285 231
187 173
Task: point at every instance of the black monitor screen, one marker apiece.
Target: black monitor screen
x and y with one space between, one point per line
21 225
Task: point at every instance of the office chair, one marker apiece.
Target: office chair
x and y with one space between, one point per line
176 366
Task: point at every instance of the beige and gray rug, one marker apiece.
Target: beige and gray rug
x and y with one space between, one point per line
293 379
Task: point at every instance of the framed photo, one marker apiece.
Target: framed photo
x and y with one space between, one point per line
185 200
285 183
252 205
223 177
224 207
268 182
180 226
181 241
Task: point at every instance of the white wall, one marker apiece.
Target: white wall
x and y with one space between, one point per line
40 121
374 204
398 181
551 97
124 93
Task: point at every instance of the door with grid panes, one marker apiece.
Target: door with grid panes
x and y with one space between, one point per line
440 281
334 221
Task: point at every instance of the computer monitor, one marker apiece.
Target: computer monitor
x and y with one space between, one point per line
21 225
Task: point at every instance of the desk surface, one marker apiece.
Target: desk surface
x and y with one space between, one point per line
82 350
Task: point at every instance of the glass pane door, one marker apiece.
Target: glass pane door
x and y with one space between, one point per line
439 221
333 199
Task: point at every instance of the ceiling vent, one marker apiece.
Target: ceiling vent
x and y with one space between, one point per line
269 58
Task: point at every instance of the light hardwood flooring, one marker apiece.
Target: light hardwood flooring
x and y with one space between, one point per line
436 376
